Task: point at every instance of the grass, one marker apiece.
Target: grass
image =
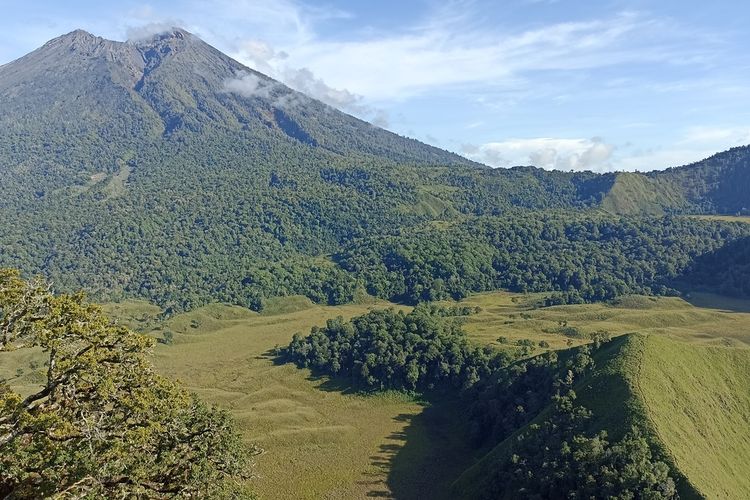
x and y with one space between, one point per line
515 317
724 218
698 399
637 194
323 441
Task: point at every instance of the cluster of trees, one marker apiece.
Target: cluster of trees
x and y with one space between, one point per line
499 191
516 394
387 349
103 424
726 271
558 459
582 258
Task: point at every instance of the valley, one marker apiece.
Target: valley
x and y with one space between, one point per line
340 444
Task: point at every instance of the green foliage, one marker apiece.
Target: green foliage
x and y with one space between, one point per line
727 270
167 338
584 258
386 349
514 395
556 459
103 424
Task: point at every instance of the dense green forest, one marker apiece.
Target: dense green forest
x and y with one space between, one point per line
558 459
150 179
421 350
579 258
727 270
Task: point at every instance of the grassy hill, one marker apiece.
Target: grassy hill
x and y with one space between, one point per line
698 400
633 193
693 401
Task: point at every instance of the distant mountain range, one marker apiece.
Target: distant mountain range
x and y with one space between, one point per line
167 170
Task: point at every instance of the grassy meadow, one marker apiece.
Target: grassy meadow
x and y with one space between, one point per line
698 400
725 218
323 441
712 320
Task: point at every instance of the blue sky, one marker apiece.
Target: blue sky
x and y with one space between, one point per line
600 85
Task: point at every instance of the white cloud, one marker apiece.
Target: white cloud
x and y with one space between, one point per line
545 152
693 144
274 63
143 12
442 54
147 31
248 85
659 159
730 136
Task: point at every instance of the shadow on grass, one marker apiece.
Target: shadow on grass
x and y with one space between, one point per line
422 460
430 453
324 381
708 300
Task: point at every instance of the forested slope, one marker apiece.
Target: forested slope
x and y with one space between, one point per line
681 397
165 170
719 184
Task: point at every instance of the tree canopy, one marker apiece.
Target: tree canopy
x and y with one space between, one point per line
103 423
422 350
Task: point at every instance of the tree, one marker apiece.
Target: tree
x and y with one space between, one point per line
103 424
387 349
556 459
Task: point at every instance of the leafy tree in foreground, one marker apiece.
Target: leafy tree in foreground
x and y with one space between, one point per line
103 424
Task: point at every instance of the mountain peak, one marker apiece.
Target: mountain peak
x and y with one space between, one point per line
78 33
74 37
79 41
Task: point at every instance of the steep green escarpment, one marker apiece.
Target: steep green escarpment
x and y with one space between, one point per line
634 194
717 185
688 403
698 401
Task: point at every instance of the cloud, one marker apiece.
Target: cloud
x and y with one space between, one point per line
248 85
264 58
449 53
693 144
729 136
148 31
143 12
545 152
659 159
